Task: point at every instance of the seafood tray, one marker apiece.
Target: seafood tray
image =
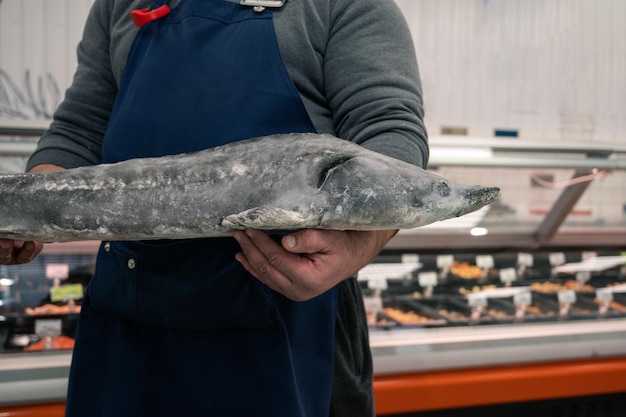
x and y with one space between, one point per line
403 313
454 309
619 303
583 308
23 328
614 308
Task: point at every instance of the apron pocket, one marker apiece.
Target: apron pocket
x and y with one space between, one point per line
112 288
187 284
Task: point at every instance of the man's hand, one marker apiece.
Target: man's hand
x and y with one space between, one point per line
14 252
309 262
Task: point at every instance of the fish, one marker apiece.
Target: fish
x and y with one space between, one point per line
274 183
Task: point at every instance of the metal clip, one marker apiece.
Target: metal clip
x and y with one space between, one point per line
260 5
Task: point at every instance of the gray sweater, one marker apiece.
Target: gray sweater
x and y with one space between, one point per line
353 63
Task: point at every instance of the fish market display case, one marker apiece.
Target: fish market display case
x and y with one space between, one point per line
495 335
445 335
531 289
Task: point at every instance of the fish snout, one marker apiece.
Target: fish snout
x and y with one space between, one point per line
481 196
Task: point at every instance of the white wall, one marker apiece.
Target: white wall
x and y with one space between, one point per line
555 67
38 41
547 66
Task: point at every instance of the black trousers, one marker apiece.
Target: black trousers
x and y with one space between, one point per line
352 393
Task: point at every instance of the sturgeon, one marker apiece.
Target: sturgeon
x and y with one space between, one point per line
273 183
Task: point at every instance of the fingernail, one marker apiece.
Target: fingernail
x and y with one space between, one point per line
236 236
4 244
290 241
249 232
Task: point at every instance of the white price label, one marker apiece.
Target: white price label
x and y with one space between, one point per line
604 294
525 259
445 261
484 261
508 275
567 296
557 258
410 258
427 279
48 327
582 277
588 255
377 283
57 271
523 298
477 300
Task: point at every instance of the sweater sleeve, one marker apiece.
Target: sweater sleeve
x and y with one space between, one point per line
372 80
74 137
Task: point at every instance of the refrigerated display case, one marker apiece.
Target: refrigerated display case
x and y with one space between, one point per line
477 341
531 289
467 342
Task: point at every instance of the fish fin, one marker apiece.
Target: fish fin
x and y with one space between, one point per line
269 218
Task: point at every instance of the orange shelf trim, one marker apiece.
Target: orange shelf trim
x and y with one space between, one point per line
34 410
497 385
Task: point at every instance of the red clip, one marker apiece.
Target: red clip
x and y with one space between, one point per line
144 16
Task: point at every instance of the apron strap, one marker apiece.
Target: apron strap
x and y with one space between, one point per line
158 3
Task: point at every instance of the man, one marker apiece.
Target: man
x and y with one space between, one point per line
183 327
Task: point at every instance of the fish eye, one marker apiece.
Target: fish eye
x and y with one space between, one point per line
443 189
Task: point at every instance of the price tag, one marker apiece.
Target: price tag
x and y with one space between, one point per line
427 279
484 261
377 283
444 261
373 304
523 298
588 255
57 271
604 295
567 296
477 300
582 277
410 258
508 275
66 292
557 258
48 327
525 259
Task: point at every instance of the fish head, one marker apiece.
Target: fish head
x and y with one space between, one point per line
372 191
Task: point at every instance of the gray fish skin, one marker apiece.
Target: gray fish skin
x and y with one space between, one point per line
273 183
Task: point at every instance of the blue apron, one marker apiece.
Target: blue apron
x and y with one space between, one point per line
179 328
